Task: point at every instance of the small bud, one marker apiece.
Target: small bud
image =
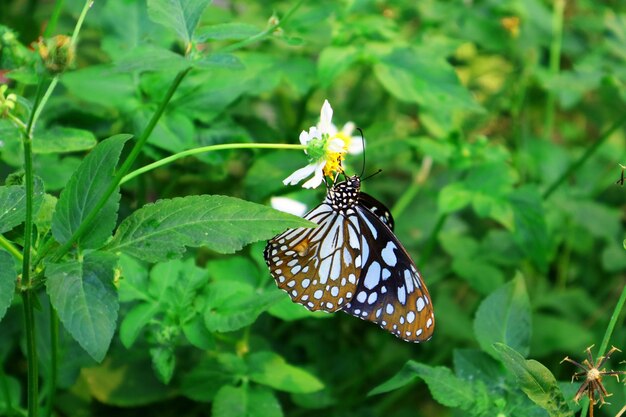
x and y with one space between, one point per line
57 53
7 103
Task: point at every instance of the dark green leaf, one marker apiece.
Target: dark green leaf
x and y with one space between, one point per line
160 231
404 377
226 31
504 316
205 379
150 58
85 299
8 277
87 185
531 231
134 322
535 380
197 334
180 15
267 368
62 140
473 364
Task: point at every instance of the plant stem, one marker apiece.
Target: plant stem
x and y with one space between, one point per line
410 193
54 18
31 350
6 244
555 58
590 151
134 153
79 22
204 149
54 344
266 32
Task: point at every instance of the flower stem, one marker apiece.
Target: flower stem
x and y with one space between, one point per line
8 246
204 149
555 58
134 153
583 158
31 351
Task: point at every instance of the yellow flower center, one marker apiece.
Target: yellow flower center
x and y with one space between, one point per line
334 160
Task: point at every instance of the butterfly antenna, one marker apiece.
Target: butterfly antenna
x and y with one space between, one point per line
371 175
363 142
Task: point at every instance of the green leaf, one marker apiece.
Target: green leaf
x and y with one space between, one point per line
226 31
8 277
197 334
12 207
231 307
205 380
134 322
445 388
62 140
150 58
268 368
535 380
333 60
246 401
160 231
531 230
11 389
164 362
86 186
102 86
504 316
83 295
473 364
180 15
453 197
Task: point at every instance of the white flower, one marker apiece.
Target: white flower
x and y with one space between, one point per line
326 147
288 205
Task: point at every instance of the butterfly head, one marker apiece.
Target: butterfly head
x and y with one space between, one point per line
344 194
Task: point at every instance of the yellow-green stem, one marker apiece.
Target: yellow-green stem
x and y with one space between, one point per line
8 246
204 149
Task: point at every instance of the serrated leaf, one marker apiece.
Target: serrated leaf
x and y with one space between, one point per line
268 368
246 401
164 362
504 316
62 140
180 15
162 230
226 31
402 378
535 380
83 295
226 314
86 186
13 204
8 277
531 230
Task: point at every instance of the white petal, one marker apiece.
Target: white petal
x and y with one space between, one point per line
348 128
304 137
337 145
356 145
317 179
300 174
288 205
326 117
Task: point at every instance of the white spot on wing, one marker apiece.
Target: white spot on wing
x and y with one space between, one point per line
388 255
373 276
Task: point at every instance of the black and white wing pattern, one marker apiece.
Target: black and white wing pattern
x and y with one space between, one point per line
353 262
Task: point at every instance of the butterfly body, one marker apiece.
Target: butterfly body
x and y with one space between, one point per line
353 262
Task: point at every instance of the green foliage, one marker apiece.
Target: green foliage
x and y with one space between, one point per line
149 291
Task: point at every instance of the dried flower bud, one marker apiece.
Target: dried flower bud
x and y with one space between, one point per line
57 53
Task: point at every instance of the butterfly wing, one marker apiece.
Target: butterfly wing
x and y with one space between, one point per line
377 208
318 267
390 291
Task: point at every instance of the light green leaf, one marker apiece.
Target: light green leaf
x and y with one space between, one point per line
150 58
231 307
12 206
164 362
83 295
504 316
180 15
160 231
246 401
102 86
333 60
453 197
134 322
8 277
62 140
535 380
268 368
86 186
226 31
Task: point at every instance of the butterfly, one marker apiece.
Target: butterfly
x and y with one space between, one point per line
353 262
